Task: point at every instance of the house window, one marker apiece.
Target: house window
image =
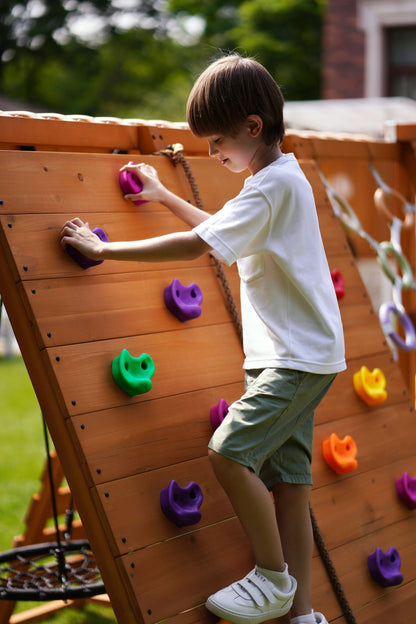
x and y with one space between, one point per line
401 61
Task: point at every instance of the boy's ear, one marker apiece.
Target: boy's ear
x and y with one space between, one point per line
255 125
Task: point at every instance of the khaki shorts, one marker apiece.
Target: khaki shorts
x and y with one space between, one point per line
270 429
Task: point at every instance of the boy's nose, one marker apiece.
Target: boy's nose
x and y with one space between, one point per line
212 150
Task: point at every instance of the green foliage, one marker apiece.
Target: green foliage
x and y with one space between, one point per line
22 453
285 36
146 69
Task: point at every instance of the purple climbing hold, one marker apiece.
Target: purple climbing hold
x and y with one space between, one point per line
184 302
181 505
385 567
79 257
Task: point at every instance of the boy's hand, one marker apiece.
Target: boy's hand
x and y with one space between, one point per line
78 234
153 189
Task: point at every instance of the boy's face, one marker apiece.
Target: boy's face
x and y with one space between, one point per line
238 152
245 150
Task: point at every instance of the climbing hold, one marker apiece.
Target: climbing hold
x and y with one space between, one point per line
181 505
79 257
409 342
184 302
370 386
338 282
133 374
385 567
130 184
406 490
218 413
340 454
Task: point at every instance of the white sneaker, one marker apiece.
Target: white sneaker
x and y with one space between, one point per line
252 600
319 619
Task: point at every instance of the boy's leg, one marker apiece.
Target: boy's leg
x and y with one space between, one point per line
267 591
293 517
254 507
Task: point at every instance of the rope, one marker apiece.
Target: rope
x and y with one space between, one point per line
329 567
175 153
59 552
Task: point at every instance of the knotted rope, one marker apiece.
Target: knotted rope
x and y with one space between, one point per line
175 153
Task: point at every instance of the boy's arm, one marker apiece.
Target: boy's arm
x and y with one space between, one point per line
154 190
175 246
187 212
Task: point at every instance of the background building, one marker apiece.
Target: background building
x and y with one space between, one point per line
369 49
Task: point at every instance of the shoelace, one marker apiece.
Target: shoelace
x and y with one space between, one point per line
257 587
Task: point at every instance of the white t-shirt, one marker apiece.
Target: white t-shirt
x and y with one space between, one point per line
290 313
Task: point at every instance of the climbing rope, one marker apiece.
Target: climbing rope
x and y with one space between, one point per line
330 569
175 153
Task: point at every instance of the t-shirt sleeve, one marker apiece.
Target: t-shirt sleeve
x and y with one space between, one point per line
240 228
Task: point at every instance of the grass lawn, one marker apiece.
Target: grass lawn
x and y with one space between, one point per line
22 457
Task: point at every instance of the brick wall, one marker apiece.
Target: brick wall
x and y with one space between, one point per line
342 52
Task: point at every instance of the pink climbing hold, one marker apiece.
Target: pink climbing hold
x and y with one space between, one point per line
130 184
338 282
406 490
218 413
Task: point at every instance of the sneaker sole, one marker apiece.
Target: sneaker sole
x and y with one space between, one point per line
236 618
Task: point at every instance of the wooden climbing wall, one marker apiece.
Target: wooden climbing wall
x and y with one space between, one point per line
118 452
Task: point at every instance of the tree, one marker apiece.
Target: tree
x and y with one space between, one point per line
284 35
141 56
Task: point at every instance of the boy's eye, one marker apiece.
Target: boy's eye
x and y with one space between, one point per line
217 140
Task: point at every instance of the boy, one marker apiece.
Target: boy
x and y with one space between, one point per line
292 332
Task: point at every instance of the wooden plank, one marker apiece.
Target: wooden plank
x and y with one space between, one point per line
67 311
71 180
147 524
335 243
309 144
363 593
342 400
395 131
373 451
207 560
153 138
376 506
161 432
47 182
199 615
362 330
65 134
83 372
396 605
36 253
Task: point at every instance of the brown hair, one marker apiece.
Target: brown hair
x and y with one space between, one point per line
228 91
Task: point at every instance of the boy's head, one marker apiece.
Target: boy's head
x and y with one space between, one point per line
228 91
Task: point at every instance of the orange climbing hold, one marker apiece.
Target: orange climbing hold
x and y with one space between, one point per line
340 454
370 386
